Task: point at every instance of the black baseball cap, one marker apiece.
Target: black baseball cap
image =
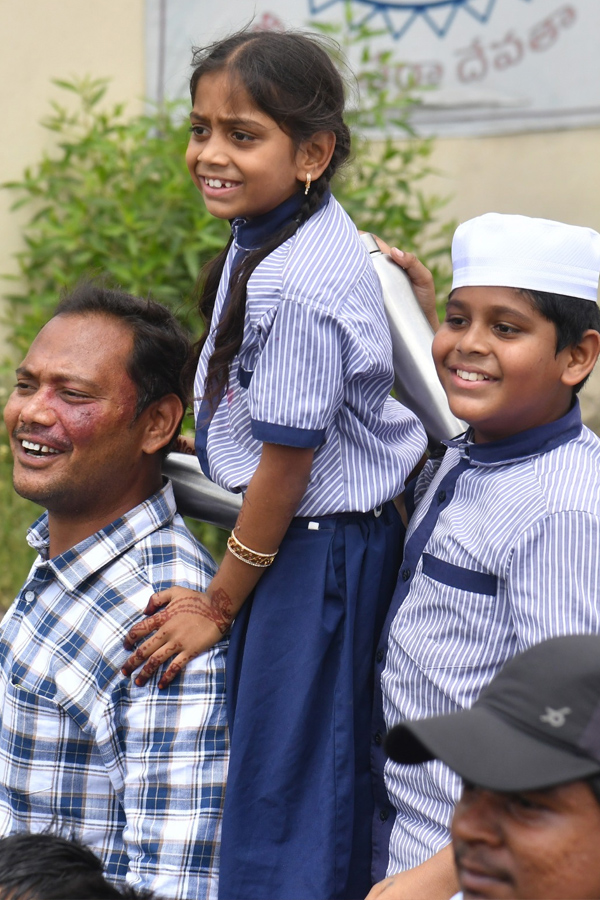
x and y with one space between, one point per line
536 725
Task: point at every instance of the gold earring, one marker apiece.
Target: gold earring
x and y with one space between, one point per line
307 183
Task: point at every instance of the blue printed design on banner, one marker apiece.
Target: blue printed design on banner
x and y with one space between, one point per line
399 15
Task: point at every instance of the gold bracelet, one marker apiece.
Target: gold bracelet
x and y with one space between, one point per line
240 551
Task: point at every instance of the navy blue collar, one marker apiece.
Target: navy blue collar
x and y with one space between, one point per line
523 445
252 233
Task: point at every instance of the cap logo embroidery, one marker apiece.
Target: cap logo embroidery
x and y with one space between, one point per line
556 717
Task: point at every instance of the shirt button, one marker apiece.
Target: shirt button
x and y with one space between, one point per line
405 574
379 655
377 738
441 496
384 815
30 596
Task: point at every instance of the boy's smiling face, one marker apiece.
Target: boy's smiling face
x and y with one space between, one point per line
496 357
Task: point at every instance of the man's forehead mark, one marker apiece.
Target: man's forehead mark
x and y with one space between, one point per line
24 371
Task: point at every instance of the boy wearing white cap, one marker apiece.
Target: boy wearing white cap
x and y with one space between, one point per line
502 547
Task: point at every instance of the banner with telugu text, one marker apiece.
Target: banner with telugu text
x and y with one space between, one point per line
480 66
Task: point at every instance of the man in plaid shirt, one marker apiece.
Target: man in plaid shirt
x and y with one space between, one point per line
136 773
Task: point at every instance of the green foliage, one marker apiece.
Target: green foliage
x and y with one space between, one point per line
213 538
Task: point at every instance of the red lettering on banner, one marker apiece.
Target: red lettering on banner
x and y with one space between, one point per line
474 63
474 66
543 35
510 53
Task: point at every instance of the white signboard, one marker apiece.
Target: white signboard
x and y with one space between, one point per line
486 66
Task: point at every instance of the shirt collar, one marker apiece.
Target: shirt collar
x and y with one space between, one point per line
249 234
523 445
95 552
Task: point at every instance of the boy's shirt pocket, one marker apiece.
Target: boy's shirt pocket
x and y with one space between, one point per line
452 623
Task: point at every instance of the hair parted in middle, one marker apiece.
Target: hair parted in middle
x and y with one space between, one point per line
291 78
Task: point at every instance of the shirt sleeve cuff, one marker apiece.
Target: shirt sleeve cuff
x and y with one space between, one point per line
269 433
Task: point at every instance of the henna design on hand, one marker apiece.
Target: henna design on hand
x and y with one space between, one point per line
216 608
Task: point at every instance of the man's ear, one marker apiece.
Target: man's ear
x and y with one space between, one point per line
162 419
313 155
582 358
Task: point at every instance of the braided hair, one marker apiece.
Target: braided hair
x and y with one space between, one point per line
290 77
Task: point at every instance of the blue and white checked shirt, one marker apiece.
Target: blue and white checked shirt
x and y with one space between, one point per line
501 553
137 774
314 369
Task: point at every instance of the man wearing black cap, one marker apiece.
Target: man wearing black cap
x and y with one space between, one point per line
528 751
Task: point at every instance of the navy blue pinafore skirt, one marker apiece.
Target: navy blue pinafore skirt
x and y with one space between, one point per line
298 804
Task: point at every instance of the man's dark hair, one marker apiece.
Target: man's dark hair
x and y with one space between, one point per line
162 361
572 317
49 867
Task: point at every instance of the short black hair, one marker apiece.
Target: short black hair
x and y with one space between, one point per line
572 317
50 867
162 361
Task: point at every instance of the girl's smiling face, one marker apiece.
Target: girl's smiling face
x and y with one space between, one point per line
496 357
238 156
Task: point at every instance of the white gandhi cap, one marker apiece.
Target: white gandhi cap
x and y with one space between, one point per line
499 250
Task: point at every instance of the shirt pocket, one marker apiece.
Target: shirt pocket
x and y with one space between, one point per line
31 733
452 620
